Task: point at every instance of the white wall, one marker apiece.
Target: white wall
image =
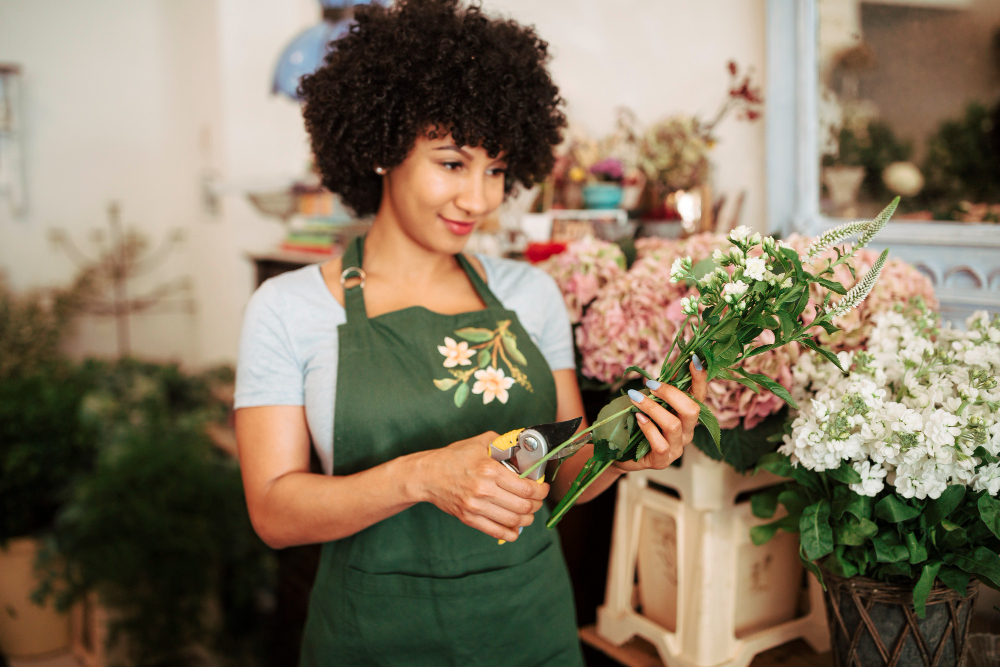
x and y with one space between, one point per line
138 100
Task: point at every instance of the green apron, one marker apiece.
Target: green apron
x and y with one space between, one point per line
421 587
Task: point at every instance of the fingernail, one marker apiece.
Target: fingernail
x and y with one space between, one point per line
641 418
653 385
636 396
697 363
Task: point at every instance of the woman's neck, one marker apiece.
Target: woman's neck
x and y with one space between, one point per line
389 251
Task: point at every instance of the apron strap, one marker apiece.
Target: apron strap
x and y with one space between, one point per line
485 293
354 299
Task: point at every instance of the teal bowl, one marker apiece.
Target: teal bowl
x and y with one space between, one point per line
602 195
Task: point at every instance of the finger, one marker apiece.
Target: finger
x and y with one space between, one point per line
657 443
500 514
512 502
492 528
668 423
699 379
525 488
687 410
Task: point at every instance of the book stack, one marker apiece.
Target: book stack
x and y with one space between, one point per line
321 218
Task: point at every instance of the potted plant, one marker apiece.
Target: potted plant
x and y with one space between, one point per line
893 483
43 448
606 192
159 529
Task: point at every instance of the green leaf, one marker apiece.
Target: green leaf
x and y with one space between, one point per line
709 421
854 531
840 565
830 285
445 384
918 552
739 447
776 463
812 567
641 371
762 534
461 394
815 532
788 325
642 449
752 386
830 356
827 326
984 455
484 357
847 501
845 474
615 432
989 512
982 562
475 334
726 330
604 452
771 386
955 579
889 553
794 501
944 505
893 509
954 537
510 345
923 587
764 503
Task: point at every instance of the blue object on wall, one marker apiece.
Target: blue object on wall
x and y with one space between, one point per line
305 53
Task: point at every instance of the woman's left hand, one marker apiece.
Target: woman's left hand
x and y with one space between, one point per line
668 433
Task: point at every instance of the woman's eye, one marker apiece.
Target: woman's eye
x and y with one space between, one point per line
499 171
451 166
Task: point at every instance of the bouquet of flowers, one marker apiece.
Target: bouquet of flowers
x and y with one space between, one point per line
582 271
894 468
758 285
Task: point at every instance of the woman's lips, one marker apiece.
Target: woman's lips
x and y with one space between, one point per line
458 227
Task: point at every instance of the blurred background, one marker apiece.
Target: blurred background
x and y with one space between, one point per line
154 169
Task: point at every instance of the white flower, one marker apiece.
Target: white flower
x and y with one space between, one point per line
718 255
755 268
872 477
733 291
988 479
491 383
680 269
689 305
456 354
740 234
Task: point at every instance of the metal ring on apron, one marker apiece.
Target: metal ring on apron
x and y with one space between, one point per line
350 271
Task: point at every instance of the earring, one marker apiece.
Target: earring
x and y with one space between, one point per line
380 171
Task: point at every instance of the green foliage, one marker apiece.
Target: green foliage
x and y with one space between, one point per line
43 446
887 538
963 158
159 528
739 447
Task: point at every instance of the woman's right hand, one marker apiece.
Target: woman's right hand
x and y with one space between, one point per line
462 480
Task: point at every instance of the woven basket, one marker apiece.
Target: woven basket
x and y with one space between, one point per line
873 624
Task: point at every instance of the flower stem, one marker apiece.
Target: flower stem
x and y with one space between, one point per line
564 506
574 438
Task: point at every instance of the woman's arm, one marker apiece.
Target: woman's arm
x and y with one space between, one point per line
289 505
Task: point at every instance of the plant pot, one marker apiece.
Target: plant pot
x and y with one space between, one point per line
873 624
602 195
843 184
26 629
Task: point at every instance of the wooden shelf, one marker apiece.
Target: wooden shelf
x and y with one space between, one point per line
639 653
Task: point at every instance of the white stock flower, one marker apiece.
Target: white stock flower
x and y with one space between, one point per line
872 479
689 305
755 268
733 291
740 234
680 269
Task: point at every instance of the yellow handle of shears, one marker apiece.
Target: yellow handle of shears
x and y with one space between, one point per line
506 441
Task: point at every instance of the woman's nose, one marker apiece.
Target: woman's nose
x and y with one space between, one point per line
472 198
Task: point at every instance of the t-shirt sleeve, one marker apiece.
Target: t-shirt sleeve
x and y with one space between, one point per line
267 369
556 340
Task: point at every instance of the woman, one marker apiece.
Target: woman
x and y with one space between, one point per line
426 116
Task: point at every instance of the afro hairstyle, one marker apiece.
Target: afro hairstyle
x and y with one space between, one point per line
429 67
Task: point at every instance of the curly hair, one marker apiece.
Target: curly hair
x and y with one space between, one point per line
429 66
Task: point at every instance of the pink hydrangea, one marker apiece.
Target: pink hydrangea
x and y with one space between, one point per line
898 283
582 270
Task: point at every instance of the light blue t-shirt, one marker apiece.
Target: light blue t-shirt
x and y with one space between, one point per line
288 347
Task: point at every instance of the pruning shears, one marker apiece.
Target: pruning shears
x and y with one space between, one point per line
523 447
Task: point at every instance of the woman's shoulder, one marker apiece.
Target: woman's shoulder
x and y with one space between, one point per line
509 277
297 294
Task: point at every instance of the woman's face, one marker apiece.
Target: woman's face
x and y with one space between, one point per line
441 192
